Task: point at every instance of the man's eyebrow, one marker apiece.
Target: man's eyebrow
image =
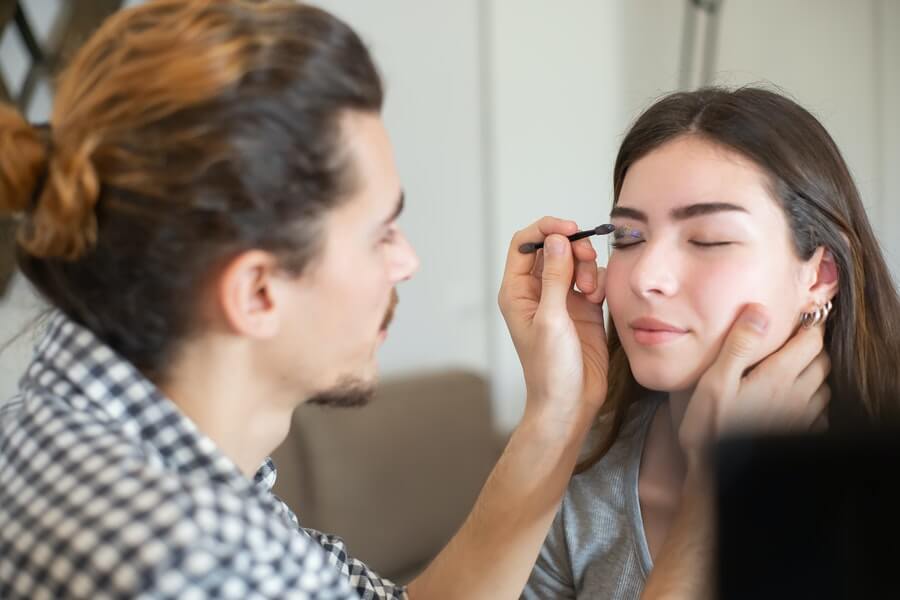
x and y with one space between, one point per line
681 213
397 210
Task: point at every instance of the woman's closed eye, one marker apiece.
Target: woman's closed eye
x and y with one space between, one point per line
710 243
625 237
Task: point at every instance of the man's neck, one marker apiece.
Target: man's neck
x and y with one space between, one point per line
215 387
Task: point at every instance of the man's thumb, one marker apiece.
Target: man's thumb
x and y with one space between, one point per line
744 339
556 278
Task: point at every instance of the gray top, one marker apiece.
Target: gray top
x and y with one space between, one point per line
596 547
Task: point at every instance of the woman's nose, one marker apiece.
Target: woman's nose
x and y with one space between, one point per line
655 272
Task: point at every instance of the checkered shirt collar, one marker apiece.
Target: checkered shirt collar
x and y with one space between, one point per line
72 364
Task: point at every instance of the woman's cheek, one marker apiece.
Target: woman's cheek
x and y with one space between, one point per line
617 286
725 297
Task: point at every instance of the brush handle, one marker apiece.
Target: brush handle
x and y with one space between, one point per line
530 247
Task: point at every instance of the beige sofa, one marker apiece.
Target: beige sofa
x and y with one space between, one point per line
396 478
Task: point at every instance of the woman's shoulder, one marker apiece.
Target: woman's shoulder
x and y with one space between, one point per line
625 450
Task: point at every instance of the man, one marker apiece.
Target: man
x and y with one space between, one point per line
213 216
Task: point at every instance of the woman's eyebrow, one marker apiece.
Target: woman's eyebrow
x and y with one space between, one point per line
706 208
681 213
628 213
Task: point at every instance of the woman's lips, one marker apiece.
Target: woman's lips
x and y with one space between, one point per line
649 331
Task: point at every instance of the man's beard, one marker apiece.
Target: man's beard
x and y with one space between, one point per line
353 392
350 392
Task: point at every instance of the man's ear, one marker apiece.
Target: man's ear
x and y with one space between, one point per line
822 276
245 292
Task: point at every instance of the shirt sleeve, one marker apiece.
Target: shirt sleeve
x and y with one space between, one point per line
551 578
367 584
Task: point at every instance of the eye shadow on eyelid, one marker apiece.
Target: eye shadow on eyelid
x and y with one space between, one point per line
623 232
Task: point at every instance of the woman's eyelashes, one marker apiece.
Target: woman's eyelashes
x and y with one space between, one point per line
625 237
700 244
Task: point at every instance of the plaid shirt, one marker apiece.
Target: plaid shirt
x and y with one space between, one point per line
108 491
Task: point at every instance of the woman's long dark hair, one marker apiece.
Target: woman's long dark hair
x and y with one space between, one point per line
809 179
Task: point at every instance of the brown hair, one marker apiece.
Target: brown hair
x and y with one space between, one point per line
183 133
811 182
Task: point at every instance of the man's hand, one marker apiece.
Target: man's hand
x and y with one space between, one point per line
786 391
559 336
558 332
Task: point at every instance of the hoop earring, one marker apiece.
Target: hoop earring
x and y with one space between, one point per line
820 315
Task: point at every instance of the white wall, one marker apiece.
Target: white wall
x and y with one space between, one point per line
428 52
556 114
887 13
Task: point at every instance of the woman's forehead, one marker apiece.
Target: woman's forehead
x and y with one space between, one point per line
690 171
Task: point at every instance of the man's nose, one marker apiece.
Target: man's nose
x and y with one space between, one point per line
405 261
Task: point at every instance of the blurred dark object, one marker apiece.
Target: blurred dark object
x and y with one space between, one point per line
396 478
7 254
809 516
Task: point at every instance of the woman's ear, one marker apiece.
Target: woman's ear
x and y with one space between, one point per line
822 276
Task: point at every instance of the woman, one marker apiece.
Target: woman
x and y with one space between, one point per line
722 198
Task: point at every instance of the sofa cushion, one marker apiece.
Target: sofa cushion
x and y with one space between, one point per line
396 478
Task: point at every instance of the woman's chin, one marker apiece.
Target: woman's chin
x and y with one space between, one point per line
661 379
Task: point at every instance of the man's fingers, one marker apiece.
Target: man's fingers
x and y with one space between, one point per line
820 425
742 343
599 293
585 273
556 277
817 410
586 276
584 250
797 354
519 263
538 267
814 375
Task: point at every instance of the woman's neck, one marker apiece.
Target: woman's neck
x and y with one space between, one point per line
663 470
677 406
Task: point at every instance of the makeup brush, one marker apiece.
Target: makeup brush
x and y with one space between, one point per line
599 230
